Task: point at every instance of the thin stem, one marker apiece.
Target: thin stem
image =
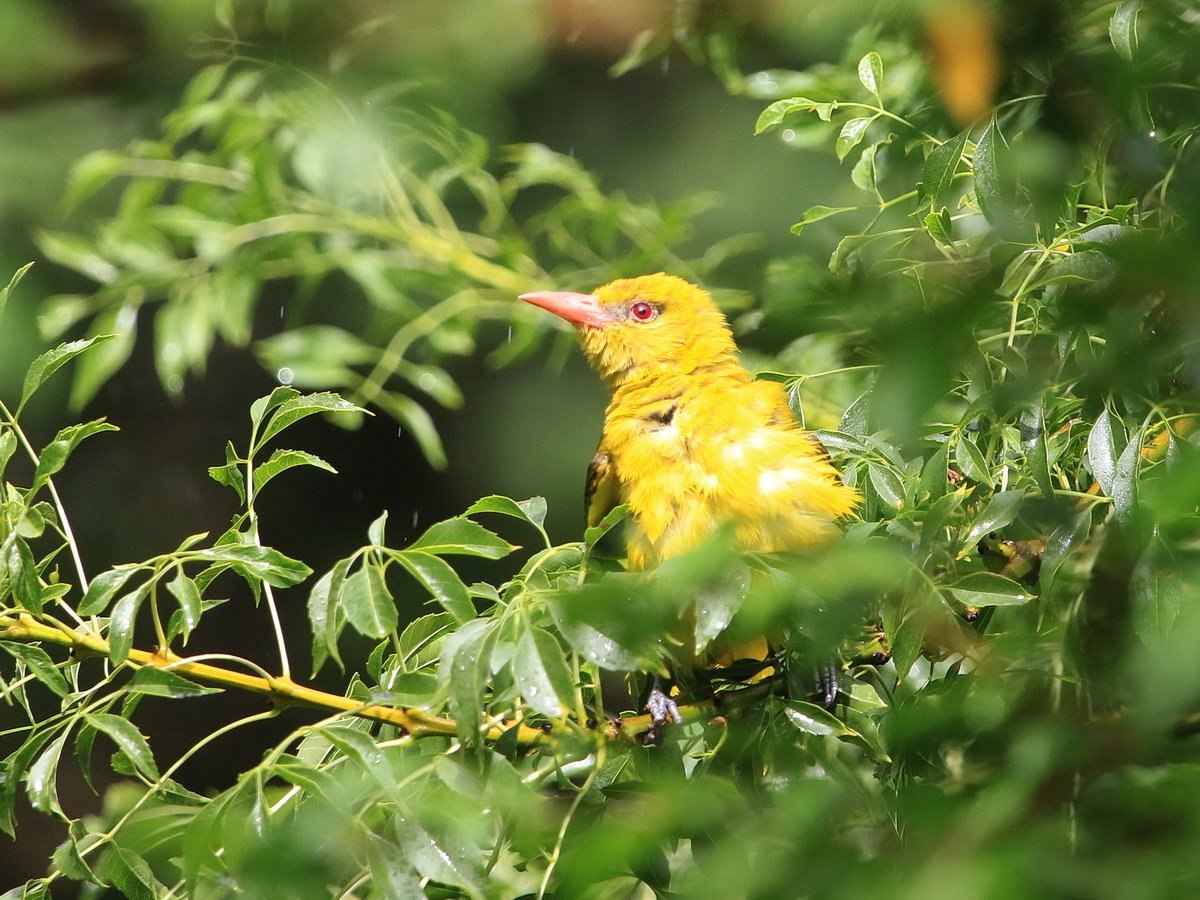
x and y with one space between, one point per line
556 853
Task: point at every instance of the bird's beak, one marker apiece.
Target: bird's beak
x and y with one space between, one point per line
582 309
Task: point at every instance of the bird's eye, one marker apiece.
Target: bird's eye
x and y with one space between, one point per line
643 311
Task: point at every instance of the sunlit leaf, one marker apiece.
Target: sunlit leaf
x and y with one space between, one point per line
989 589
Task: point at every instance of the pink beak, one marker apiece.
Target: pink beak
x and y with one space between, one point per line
582 309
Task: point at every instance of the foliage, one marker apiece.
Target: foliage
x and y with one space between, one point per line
1015 610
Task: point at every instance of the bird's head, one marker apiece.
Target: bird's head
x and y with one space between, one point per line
636 328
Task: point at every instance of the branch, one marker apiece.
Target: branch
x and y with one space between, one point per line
415 723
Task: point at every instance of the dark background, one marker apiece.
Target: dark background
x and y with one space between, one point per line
78 76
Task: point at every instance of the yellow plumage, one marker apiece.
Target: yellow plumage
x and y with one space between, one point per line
691 441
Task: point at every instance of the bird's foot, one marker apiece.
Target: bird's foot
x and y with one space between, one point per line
826 684
663 711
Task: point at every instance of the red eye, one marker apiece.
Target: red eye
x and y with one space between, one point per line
643 311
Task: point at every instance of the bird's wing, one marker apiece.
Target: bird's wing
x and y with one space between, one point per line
600 492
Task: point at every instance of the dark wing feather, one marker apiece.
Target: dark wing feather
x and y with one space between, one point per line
600 492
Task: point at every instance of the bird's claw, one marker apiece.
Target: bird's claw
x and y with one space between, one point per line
663 711
826 684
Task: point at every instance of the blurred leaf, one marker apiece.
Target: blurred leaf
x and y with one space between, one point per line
417 420
818 213
1156 592
117 327
988 589
1122 29
185 591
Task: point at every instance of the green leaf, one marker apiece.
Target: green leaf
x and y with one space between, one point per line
940 227
421 635
254 562
990 194
76 253
440 580
281 461
464 674
185 591
532 510
906 642
813 719
296 408
121 624
1156 592
442 858
368 603
817 213
937 175
8 445
1104 444
864 175
118 327
103 588
327 614
462 536
12 283
540 669
716 604
1122 29
230 474
55 454
41 782
781 109
989 589
999 513
970 460
38 662
130 874
888 484
392 874
22 571
934 474
870 72
51 361
1124 483
165 683
130 741
413 416
851 135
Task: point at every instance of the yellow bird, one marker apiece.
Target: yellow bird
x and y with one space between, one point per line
691 441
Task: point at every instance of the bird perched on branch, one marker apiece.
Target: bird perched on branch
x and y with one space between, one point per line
691 441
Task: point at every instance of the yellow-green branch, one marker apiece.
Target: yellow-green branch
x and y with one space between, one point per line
284 691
